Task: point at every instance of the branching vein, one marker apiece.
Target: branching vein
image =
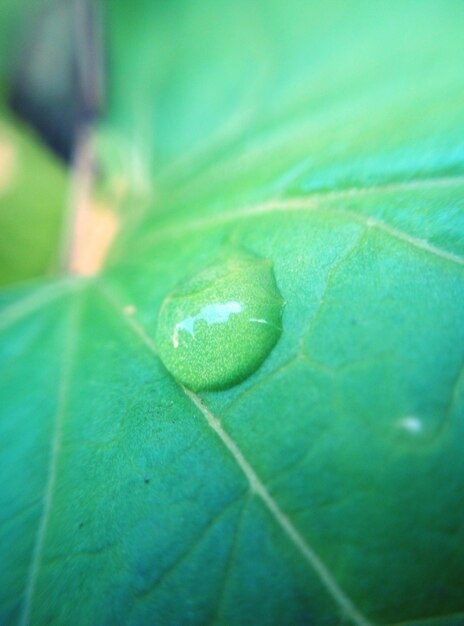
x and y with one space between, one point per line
33 302
259 489
315 203
37 555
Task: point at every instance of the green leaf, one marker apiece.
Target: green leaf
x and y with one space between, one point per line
326 488
33 194
34 188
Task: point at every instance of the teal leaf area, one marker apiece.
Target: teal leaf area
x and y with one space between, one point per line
326 487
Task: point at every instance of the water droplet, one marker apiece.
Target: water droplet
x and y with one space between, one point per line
219 327
411 424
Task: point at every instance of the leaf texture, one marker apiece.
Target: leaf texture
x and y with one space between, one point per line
327 488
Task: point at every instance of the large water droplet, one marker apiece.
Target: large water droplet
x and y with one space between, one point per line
219 327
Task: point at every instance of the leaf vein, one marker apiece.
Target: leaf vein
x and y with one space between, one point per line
185 554
228 566
33 302
259 489
312 203
37 555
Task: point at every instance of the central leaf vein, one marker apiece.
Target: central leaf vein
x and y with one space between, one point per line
258 487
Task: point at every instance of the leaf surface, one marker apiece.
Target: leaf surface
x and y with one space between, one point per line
327 487
33 193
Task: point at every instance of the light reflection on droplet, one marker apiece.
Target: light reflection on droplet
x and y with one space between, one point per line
411 424
217 313
216 329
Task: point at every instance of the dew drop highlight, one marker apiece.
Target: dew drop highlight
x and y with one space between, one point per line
216 329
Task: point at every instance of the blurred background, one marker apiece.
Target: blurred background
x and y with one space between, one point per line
51 91
219 102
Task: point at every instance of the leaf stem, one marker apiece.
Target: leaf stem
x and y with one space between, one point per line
81 183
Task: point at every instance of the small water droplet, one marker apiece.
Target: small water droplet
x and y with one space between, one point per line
411 424
129 309
219 327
